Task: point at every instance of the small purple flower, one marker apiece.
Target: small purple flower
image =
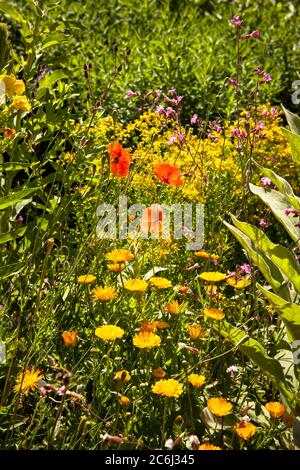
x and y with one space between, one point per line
194 119
20 218
235 132
255 34
265 113
233 82
172 91
236 20
130 94
263 223
245 37
244 134
258 70
232 370
158 92
181 137
160 109
245 268
219 129
267 78
274 112
172 139
265 181
260 125
170 112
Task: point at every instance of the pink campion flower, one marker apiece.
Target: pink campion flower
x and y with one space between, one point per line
160 109
244 134
245 37
172 139
235 132
291 211
233 82
267 78
158 92
219 129
255 34
236 20
170 112
263 223
258 70
274 112
260 125
172 91
245 268
194 119
265 181
265 113
181 137
130 94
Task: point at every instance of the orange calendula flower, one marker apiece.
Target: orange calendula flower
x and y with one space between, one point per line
196 380
136 285
122 376
212 276
167 388
8 133
125 401
205 255
276 409
28 380
168 173
160 282
214 313
119 255
245 430
219 406
241 283
109 332
116 267
70 338
173 308
208 446
86 279
148 326
21 103
196 332
146 340
158 373
104 294
120 159
161 325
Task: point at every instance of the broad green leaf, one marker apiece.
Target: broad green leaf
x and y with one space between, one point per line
288 312
16 197
15 166
294 141
6 237
278 203
293 120
10 270
269 269
255 351
281 256
52 78
12 12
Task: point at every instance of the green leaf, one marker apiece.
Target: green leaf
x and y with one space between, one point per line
12 12
294 140
281 256
269 269
278 203
255 351
10 270
288 312
15 166
6 237
16 197
293 120
52 78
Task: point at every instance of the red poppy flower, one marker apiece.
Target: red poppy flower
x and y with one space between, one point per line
169 174
152 219
120 159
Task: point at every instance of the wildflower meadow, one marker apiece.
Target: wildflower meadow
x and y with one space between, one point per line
149 225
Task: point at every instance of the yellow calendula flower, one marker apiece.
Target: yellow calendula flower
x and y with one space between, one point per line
104 294
158 373
202 254
196 380
196 332
173 308
125 401
116 267
21 103
208 446
146 340
136 285
211 290
19 87
167 388
212 276
219 406
119 255
86 279
241 283
214 313
70 338
7 84
122 376
109 332
245 430
28 380
160 282
276 409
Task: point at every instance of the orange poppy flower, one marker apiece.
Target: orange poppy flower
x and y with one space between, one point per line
120 159
152 219
169 174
